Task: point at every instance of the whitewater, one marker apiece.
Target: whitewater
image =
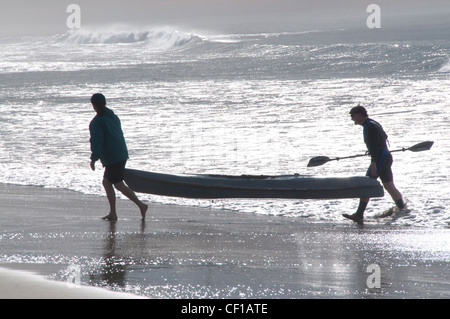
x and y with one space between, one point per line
259 103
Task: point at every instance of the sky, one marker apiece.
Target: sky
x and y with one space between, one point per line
29 17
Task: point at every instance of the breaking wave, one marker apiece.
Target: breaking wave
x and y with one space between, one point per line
162 38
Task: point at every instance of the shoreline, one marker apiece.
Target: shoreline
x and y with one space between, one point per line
186 252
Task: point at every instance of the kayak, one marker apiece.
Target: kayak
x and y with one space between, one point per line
252 186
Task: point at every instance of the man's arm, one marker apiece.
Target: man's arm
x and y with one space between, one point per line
96 143
372 137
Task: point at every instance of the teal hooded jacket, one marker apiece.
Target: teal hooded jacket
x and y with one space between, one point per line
107 140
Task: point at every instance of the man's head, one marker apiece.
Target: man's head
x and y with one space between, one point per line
98 101
359 114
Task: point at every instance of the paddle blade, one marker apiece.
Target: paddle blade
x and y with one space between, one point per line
424 146
318 160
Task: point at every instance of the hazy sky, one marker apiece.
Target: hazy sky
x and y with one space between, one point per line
49 16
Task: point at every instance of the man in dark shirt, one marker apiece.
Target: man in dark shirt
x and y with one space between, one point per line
381 159
108 145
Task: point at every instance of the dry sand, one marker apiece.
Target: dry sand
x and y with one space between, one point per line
21 284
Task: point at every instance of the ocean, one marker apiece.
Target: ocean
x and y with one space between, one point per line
233 103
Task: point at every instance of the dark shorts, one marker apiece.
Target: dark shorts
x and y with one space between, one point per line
114 172
385 173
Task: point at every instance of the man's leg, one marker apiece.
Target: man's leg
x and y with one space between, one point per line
395 194
387 179
359 215
111 194
128 192
363 202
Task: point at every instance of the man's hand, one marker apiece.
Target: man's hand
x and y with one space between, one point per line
93 165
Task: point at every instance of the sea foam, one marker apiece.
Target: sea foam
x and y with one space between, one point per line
163 38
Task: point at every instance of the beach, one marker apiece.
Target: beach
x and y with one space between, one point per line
55 239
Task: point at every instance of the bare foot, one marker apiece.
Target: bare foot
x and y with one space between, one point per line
143 208
110 217
356 218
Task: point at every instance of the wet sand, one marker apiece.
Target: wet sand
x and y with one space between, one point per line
185 252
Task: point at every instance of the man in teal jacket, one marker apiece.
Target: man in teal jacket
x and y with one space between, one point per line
108 145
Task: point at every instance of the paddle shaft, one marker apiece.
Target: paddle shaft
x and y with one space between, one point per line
361 155
320 160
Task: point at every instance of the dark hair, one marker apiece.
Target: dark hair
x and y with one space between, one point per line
359 109
99 101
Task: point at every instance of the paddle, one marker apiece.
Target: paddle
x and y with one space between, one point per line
320 160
